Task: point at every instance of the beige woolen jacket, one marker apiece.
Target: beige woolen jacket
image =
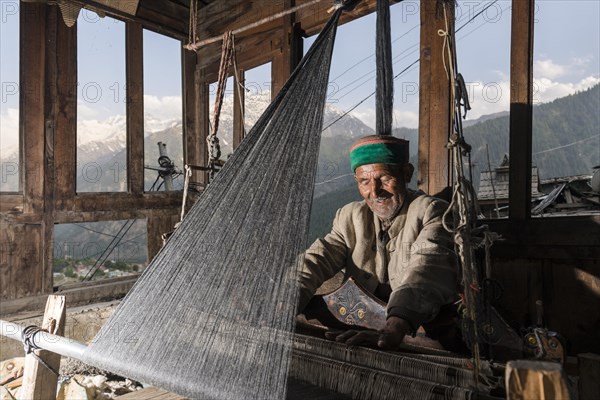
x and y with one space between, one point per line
421 263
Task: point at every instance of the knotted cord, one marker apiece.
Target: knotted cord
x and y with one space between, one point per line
462 206
214 148
29 345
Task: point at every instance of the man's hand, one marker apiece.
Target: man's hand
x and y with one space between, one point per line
389 338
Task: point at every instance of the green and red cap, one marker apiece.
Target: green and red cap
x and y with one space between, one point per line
378 149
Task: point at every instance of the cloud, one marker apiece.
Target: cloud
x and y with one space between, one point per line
488 97
549 69
9 131
85 112
546 90
165 107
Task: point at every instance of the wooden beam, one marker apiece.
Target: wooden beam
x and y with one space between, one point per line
134 35
55 31
11 203
521 109
267 40
203 124
434 103
287 59
188 90
39 382
157 226
239 97
125 201
31 105
76 294
65 143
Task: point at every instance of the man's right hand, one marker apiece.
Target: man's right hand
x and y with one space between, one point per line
388 338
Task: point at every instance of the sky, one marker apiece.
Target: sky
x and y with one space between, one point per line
566 59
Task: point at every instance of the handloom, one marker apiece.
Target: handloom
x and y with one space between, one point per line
211 316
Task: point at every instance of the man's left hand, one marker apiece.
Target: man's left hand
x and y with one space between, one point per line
388 338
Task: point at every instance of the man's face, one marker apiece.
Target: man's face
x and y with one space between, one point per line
383 187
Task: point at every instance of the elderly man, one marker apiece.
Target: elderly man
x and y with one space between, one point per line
393 243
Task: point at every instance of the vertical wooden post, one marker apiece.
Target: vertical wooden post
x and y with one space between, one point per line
203 122
434 102
589 375
38 381
291 51
239 97
31 107
134 37
65 143
190 125
521 109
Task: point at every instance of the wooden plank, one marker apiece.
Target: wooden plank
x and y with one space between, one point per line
65 143
55 31
11 203
264 40
434 103
157 226
32 262
151 393
31 107
568 284
188 80
291 50
76 295
10 233
239 97
160 22
135 106
202 129
39 382
527 380
589 375
124 202
313 18
521 109
549 231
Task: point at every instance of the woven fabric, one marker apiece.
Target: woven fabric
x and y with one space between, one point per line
212 315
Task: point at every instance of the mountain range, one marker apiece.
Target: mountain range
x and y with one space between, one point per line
565 142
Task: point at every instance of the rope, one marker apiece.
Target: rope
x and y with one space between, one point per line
212 140
462 197
29 345
193 26
240 86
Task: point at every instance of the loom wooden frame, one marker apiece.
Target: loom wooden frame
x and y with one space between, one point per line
48 143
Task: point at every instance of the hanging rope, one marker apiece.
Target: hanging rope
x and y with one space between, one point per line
193 26
214 148
462 206
29 345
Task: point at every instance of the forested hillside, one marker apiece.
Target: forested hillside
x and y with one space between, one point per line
566 137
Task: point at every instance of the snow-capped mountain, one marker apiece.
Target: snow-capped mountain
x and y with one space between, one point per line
101 144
